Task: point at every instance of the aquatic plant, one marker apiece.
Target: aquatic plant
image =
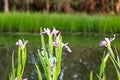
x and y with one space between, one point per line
110 54
51 57
17 73
50 63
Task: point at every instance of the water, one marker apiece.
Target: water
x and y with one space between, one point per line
86 56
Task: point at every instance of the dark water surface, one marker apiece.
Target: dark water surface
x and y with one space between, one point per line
86 56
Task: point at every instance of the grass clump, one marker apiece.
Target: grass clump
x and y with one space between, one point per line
30 22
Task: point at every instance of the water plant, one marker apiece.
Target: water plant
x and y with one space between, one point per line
51 57
17 73
110 54
50 63
115 60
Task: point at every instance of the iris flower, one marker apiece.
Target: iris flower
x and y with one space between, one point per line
57 40
56 44
107 41
54 31
21 44
48 32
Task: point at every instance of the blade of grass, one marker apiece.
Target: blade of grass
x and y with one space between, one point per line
91 75
39 73
44 65
19 64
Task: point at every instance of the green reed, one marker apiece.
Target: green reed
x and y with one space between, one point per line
30 22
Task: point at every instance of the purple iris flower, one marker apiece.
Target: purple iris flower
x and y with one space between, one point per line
54 31
56 41
42 33
67 47
21 79
107 41
47 30
103 43
21 44
56 44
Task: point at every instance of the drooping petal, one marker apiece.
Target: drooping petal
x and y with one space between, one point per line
56 44
103 43
107 41
42 33
63 45
57 40
67 47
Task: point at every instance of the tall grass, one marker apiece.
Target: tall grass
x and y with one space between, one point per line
31 22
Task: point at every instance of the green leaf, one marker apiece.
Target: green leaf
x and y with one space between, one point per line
51 44
12 75
44 48
104 77
39 73
24 57
58 53
13 66
118 74
103 64
102 68
19 64
43 64
91 75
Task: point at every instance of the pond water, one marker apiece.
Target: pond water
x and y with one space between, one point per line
86 56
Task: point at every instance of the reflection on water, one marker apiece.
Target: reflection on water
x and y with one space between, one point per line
86 56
